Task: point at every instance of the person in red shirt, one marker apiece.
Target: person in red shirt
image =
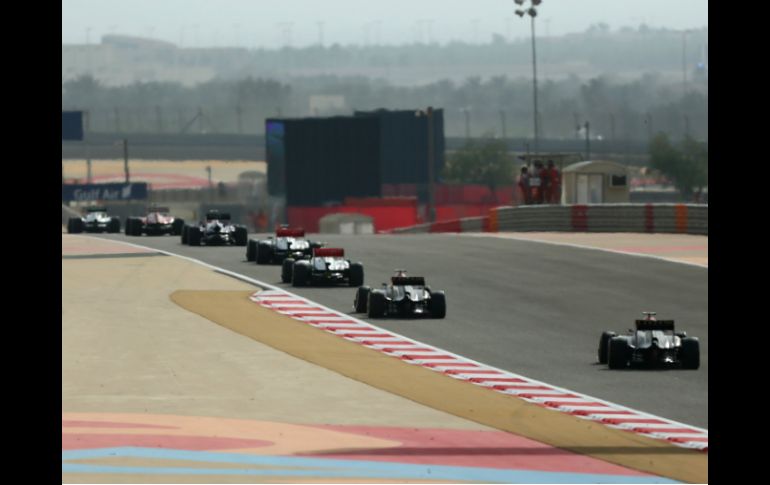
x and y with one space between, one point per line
524 186
554 184
537 182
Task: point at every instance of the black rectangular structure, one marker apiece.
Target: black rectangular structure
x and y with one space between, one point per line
404 145
321 161
71 125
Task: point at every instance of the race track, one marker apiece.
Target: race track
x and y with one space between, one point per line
530 308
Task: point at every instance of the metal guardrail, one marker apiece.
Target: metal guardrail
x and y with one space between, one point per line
650 218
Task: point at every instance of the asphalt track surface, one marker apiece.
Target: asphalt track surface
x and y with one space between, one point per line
530 308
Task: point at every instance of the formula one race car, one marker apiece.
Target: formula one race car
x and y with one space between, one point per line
287 243
405 296
326 266
156 222
654 343
96 220
216 230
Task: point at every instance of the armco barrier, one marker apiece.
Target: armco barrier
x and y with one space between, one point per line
661 218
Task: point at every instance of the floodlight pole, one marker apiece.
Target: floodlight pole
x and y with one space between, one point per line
532 12
534 82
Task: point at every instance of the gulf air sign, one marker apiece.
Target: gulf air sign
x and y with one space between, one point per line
103 192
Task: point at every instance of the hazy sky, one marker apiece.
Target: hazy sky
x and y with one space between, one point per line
274 23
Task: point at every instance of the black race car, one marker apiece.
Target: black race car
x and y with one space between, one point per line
96 220
157 221
287 243
326 266
405 296
216 230
653 343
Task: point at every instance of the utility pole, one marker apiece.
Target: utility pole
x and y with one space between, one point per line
612 130
87 116
588 140
125 159
467 114
684 63
431 166
648 122
431 159
502 123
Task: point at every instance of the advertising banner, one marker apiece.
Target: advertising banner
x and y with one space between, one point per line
103 192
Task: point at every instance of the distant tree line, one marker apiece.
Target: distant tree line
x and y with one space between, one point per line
685 163
616 110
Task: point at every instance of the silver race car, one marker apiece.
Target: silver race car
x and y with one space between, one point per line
654 343
96 220
288 243
216 230
327 266
405 296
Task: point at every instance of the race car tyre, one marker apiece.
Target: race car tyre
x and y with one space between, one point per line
356 275
689 354
604 341
185 231
194 236
618 355
376 304
287 270
241 236
113 225
437 304
138 227
362 295
264 253
133 227
251 250
75 225
300 275
177 226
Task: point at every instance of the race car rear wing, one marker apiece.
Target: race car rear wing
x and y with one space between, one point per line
290 232
407 280
217 216
329 252
96 209
655 325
